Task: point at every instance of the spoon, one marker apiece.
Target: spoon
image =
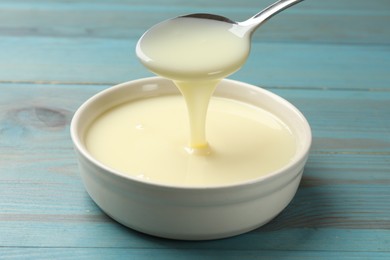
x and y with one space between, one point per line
196 51
255 21
201 45
182 48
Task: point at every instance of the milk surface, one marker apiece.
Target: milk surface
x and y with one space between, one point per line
147 140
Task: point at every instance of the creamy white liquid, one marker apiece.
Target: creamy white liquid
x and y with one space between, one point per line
151 139
146 139
196 54
185 49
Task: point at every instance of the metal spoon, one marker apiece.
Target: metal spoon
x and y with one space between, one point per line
155 48
250 25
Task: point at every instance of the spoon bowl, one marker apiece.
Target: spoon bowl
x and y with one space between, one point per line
201 46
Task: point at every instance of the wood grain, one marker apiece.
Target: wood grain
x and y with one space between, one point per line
331 59
311 21
111 61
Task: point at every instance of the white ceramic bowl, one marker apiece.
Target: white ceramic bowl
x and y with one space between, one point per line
181 212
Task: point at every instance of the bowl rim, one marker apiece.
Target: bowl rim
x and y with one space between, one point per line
299 158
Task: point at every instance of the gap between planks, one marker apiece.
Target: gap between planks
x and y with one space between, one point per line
43 82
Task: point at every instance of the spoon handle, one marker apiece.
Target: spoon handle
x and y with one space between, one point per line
261 17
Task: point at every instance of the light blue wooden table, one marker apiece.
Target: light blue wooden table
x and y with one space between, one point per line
330 58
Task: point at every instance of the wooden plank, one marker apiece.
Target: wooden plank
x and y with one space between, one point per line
345 121
310 21
29 111
135 253
112 235
44 196
110 61
329 187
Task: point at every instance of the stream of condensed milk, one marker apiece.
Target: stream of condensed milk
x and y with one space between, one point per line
148 138
196 54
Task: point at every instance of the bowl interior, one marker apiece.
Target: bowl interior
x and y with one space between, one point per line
156 86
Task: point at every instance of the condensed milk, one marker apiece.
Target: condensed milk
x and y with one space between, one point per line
151 139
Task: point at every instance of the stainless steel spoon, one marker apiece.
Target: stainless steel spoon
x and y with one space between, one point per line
155 51
250 25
